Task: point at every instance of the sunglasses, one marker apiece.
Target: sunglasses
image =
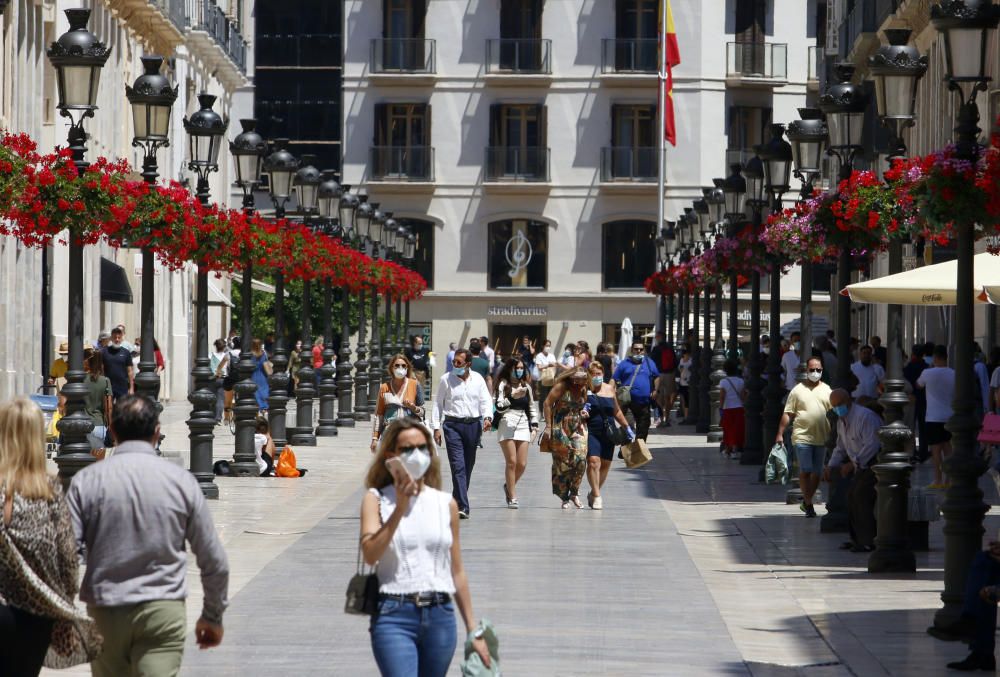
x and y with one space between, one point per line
815 371
412 447
399 365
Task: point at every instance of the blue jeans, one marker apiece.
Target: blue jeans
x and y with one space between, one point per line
408 640
461 441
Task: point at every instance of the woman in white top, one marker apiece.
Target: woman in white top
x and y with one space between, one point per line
518 420
219 364
731 393
409 531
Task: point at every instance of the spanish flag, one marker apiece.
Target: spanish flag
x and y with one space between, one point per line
669 56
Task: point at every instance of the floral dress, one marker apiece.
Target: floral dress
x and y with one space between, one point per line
569 446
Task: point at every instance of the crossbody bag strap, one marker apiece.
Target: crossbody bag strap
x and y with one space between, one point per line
634 374
360 570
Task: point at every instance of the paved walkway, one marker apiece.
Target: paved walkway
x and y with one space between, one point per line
692 569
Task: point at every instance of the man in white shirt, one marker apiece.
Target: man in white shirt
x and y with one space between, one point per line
488 352
868 373
790 362
856 451
939 384
545 359
463 410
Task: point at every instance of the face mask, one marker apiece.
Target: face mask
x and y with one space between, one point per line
637 358
519 373
795 346
459 371
546 350
841 410
566 353
766 350
400 372
815 376
416 462
597 381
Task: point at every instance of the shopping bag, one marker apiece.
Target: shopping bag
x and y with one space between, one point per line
286 464
636 453
990 433
776 468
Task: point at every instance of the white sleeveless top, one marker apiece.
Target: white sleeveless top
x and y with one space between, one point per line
418 558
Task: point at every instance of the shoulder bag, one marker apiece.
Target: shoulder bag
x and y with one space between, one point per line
624 393
362 589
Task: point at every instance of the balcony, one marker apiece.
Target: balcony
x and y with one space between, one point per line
629 61
403 61
516 167
813 67
158 22
628 168
756 64
402 164
858 31
518 61
216 40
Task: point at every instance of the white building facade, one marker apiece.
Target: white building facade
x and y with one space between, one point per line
532 187
205 48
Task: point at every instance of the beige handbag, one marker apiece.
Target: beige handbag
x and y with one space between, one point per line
548 375
636 453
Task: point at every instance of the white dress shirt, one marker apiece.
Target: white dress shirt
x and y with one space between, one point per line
857 437
468 398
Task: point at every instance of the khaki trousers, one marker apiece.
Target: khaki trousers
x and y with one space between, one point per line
140 640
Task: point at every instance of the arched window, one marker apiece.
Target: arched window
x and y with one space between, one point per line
629 253
423 261
518 254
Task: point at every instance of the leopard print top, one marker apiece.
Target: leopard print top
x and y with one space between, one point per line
39 569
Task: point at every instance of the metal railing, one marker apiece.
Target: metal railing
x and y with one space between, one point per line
207 16
403 55
629 55
308 50
866 17
518 56
815 56
739 156
402 163
768 60
628 163
516 163
175 11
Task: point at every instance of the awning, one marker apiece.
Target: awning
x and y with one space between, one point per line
114 283
930 285
216 297
257 284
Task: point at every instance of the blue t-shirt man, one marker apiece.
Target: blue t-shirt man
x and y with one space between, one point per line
643 385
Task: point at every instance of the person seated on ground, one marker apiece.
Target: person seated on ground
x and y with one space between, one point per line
978 623
856 451
263 448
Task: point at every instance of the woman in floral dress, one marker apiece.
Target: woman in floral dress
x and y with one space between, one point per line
565 427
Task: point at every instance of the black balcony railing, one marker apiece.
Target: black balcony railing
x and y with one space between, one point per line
866 17
208 16
402 163
403 55
628 163
518 56
757 60
309 50
175 11
629 55
517 163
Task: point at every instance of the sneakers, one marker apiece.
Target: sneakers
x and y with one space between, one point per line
809 510
463 515
512 503
576 501
566 505
598 503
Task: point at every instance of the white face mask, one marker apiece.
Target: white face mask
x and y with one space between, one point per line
814 376
766 350
400 372
416 462
546 349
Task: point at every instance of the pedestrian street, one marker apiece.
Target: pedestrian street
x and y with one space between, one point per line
692 568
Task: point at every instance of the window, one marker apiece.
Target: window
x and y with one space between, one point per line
633 142
403 47
423 261
629 253
517 142
749 28
518 254
636 28
748 127
520 44
402 141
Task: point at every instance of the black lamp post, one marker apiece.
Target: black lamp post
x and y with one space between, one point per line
248 149
409 256
896 69
694 383
151 97
78 57
364 364
205 129
753 450
735 191
397 246
375 354
306 181
965 28
713 369
844 104
388 347
670 251
280 166
706 237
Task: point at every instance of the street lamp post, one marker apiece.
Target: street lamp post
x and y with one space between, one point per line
362 366
151 97
409 256
375 354
694 301
712 369
388 239
735 191
205 129
896 69
247 149
306 181
965 27
280 166
753 449
398 245
77 57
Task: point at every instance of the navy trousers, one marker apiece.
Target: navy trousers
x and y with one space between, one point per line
984 571
461 441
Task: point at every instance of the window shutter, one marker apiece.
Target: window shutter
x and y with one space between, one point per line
543 125
496 137
381 125
426 141
616 113
419 8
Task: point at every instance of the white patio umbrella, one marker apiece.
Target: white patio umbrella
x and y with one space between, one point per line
930 285
625 343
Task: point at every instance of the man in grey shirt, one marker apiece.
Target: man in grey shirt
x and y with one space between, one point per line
132 514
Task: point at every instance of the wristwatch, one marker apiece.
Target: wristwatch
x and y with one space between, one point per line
477 633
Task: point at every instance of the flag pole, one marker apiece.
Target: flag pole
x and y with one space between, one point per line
661 143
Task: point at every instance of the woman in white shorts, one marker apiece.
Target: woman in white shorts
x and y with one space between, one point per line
518 420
